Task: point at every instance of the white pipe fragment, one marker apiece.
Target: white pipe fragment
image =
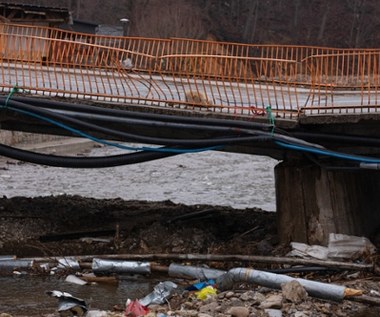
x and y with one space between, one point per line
188 271
120 266
272 280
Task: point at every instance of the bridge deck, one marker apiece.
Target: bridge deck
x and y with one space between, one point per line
299 86
228 78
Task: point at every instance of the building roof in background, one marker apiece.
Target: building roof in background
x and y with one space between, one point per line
111 30
27 13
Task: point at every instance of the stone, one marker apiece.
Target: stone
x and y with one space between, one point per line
258 298
229 294
204 315
157 308
188 313
294 292
185 305
209 308
250 295
273 312
234 301
238 311
272 301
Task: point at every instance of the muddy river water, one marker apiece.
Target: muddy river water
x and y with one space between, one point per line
213 178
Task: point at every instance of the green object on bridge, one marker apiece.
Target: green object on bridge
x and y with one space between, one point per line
270 117
13 90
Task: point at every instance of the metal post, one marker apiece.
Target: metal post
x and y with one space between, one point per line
125 23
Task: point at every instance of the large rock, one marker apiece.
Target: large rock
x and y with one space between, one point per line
209 308
238 311
294 292
272 301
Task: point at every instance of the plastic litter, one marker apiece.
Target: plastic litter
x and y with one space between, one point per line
135 308
68 263
103 266
74 280
340 247
160 293
272 280
206 292
198 286
97 313
344 247
304 250
68 304
188 271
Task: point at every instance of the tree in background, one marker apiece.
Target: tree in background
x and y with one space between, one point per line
170 18
336 23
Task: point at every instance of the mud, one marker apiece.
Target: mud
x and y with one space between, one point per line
74 225
60 225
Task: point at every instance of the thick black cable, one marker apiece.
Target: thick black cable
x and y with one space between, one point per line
82 162
88 162
58 105
144 139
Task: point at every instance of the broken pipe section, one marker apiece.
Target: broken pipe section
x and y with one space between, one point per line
102 266
272 280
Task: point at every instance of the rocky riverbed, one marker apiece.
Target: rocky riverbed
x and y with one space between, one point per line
73 225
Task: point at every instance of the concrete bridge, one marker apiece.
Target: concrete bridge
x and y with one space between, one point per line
314 109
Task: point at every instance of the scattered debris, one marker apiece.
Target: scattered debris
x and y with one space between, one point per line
68 263
135 309
344 247
187 271
74 280
69 304
104 266
206 293
92 240
340 247
289 298
8 266
272 280
160 294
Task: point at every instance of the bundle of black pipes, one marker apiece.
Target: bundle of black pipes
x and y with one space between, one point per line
78 117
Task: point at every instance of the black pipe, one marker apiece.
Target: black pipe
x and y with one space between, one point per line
82 162
92 162
12 105
209 121
52 104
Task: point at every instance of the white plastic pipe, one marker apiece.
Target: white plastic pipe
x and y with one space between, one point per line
188 271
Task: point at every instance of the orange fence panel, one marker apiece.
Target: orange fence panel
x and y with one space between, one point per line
231 78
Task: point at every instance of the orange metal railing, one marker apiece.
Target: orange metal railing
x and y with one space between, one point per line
231 78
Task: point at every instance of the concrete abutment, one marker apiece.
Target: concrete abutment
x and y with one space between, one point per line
313 202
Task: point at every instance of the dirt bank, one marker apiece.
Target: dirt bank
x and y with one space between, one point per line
44 226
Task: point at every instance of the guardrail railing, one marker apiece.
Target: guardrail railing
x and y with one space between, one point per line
231 78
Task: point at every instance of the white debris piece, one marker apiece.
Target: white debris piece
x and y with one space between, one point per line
340 247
